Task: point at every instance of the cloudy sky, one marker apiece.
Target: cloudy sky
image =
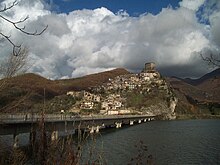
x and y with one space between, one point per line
89 36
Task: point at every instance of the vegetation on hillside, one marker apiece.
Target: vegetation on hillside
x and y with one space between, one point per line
198 96
26 93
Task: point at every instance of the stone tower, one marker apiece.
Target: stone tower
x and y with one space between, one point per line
149 67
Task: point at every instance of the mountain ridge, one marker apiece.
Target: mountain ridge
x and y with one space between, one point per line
211 75
200 95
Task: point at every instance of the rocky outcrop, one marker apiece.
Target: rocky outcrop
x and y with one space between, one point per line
162 107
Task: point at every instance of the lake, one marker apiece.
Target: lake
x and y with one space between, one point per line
169 142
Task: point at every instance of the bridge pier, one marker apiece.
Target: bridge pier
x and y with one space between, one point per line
139 121
94 129
91 130
131 122
97 129
54 135
118 124
16 140
145 120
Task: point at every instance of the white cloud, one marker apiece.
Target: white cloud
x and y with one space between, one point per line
192 4
214 19
89 41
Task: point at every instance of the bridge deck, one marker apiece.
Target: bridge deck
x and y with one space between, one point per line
15 124
7 119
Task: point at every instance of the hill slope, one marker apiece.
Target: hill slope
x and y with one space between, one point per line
199 95
22 92
90 80
212 75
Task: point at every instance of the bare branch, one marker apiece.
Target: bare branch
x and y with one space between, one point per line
9 7
17 48
13 66
22 20
213 60
15 24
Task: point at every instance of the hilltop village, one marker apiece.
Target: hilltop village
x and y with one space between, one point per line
143 93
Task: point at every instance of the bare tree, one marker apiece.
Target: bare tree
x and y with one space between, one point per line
16 61
13 65
212 59
16 48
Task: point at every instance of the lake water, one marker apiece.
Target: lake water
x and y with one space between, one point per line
169 142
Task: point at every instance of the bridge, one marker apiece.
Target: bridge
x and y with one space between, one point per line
54 124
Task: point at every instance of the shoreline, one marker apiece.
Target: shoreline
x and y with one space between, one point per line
194 116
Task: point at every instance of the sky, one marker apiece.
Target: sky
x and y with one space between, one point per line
90 36
133 7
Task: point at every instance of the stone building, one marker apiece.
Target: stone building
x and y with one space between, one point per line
149 67
87 105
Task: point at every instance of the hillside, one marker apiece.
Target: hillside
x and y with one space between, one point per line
90 80
27 92
198 95
211 83
22 92
209 76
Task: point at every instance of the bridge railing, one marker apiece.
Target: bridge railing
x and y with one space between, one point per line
60 117
32 117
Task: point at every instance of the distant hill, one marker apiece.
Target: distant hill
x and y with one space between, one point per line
23 91
90 80
212 75
197 94
206 88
